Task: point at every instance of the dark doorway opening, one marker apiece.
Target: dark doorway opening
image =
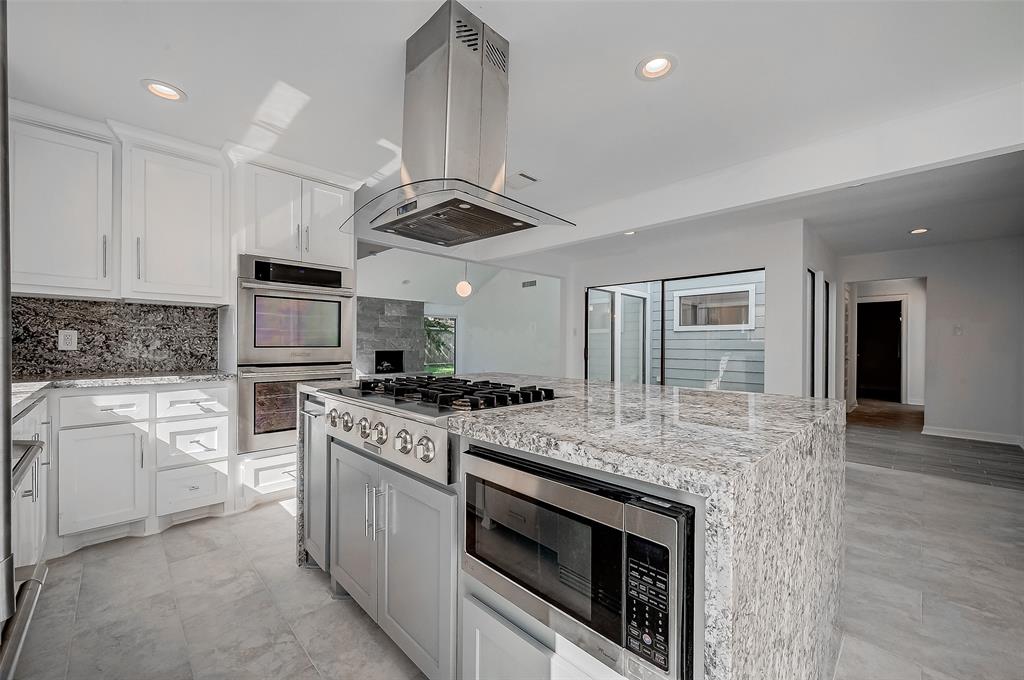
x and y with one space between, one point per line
879 350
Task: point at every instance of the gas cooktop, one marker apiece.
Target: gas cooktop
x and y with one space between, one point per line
439 396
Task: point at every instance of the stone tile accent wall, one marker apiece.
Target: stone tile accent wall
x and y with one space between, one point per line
114 338
389 324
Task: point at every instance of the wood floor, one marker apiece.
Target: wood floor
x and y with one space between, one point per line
888 435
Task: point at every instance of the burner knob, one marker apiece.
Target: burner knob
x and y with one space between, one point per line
333 417
425 449
403 442
364 428
380 433
346 421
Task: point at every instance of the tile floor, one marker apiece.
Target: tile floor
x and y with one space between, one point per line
888 435
933 590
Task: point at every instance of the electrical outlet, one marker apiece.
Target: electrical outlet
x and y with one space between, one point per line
67 340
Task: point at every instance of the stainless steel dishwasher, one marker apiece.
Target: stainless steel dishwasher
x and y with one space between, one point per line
316 482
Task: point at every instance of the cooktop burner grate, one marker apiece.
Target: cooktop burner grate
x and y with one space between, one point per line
455 393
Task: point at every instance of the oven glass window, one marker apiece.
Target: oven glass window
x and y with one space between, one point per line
274 406
295 322
570 561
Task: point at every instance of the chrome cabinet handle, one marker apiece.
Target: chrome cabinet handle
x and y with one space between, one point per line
120 407
35 481
298 236
377 493
307 238
104 256
202 445
138 257
366 510
193 487
142 452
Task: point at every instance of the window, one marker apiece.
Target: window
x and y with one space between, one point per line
439 354
723 308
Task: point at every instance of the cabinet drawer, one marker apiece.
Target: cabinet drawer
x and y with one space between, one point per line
274 473
197 401
98 409
191 487
191 441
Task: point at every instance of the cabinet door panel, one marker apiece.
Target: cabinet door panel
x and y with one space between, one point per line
354 552
102 476
273 213
61 211
495 649
417 571
176 227
324 208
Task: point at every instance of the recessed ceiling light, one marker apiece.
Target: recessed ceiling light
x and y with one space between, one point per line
517 224
164 90
628 233
390 231
655 66
917 231
465 206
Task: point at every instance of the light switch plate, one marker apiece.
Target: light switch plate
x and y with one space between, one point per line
67 340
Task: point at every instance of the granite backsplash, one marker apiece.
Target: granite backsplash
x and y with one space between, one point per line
114 338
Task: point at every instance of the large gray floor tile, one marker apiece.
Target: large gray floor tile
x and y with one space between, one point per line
344 642
213 579
197 537
148 642
120 579
859 660
297 591
246 639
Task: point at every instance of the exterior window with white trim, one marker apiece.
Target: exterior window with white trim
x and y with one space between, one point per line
721 308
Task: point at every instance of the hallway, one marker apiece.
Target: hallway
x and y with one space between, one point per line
887 434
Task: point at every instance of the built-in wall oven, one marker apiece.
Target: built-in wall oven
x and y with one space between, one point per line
609 569
293 313
295 323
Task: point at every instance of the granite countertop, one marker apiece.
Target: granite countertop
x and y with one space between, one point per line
675 437
25 391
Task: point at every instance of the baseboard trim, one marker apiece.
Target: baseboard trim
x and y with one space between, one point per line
994 437
915 402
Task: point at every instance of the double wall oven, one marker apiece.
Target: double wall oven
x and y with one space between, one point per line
295 323
608 568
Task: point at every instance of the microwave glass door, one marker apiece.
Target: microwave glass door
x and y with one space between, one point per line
296 322
572 562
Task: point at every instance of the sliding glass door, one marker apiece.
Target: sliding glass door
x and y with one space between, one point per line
632 356
600 334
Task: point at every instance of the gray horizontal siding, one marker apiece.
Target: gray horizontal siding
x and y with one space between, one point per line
692 358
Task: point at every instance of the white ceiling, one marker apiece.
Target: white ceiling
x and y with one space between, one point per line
972 201
753 78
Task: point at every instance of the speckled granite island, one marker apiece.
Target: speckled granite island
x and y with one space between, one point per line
770 469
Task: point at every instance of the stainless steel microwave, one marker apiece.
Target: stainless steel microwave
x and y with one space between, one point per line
608 568
292 313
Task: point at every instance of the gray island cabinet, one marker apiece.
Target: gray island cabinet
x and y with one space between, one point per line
765 474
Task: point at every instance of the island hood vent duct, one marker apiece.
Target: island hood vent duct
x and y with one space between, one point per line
455 125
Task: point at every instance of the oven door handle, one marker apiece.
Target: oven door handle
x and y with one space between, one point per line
297 288
321 375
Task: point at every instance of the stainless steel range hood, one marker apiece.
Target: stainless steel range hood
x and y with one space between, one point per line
455 125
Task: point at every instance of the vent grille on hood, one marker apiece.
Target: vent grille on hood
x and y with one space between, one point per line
454 133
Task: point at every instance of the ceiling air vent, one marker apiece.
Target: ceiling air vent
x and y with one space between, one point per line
519 180
467 35
496 56
529 284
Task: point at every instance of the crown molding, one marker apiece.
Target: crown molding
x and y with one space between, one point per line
141 137
239 154
33 114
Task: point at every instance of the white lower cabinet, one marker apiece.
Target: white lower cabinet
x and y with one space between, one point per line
393 541
495 649
191 487
103 478
28 500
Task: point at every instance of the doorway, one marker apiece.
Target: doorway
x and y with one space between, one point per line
880 350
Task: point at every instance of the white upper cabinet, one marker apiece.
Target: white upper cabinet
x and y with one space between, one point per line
273 213
324 208
174 227
292 218
62 239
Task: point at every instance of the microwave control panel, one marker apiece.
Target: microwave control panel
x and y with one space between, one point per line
647 601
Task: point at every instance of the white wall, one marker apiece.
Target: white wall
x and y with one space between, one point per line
915 291
819 258
973 385
685 250
508 328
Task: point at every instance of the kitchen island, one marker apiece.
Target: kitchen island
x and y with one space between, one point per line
769 470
